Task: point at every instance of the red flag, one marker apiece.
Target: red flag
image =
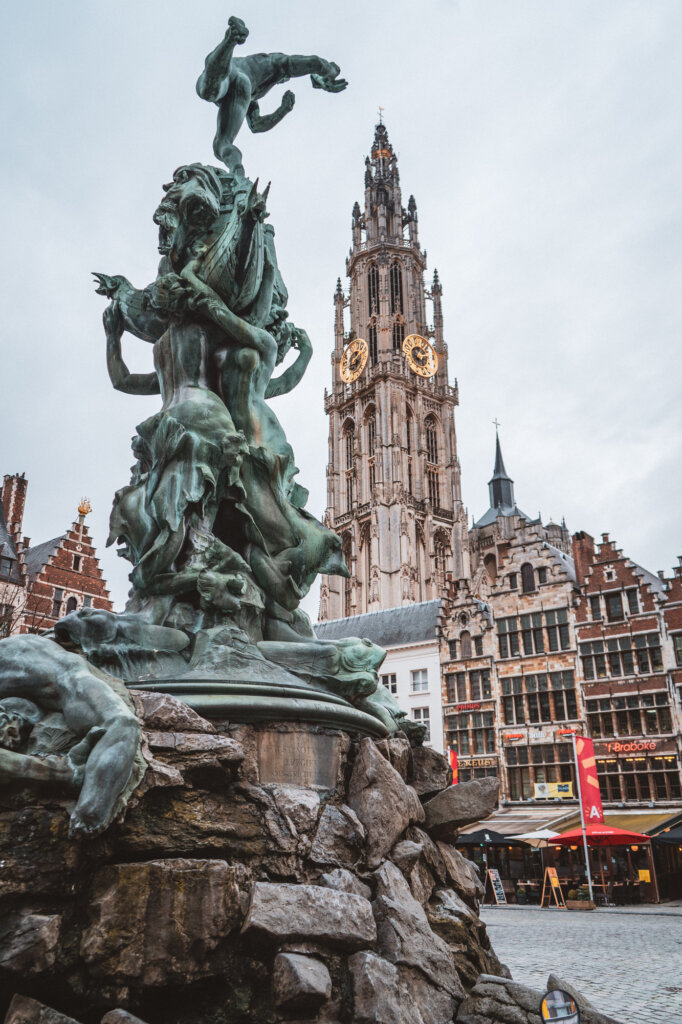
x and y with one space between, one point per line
589 783
452 754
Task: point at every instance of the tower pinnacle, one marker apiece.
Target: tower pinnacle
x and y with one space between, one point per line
501 486
500 489
393 476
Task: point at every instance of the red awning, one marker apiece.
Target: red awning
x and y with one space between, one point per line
599 835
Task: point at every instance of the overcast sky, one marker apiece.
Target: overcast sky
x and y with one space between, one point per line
542 141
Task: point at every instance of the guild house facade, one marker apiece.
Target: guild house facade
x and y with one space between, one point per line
40 583
551 635
510 679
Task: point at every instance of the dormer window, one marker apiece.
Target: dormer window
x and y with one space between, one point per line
614 607
527 578
465 641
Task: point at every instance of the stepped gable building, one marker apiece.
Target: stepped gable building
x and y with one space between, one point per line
509 652
393 477
624 620
41 583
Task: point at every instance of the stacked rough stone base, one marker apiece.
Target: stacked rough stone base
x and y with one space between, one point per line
219 897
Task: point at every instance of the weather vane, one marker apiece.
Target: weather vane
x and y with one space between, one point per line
381 115
85 507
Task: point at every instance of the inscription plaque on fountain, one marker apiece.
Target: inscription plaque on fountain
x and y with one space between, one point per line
299 758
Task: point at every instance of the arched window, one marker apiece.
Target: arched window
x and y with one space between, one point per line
527 578
408 446
71 605
349 436
440 554
490 563
347 583
371 434
373 289
349 446
431 441
433 486
372 342
465 642
396 282
398 333
371 446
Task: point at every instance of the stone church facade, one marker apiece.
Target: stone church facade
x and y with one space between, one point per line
393 477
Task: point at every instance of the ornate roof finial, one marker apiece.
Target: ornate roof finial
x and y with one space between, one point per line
84 508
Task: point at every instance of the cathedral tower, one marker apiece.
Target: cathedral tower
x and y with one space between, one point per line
393 479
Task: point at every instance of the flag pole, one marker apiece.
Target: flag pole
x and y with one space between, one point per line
582 819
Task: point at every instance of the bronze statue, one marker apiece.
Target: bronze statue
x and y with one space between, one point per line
92 746
235 84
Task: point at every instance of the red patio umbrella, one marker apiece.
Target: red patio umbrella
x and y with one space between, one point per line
599 835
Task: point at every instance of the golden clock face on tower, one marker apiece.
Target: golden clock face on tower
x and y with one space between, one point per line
421 355
354 360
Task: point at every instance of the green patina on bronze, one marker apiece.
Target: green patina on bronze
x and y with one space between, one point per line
213 519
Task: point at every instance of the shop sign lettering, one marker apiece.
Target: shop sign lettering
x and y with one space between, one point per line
477 762
630 746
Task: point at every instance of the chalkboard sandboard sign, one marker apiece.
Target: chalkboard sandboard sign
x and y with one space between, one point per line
493 876
551 890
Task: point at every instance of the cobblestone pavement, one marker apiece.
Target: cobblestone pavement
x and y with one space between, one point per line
628 963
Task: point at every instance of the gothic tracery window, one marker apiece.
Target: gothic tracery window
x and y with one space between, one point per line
371 445
348 583
371 433
373 289
396 284
432 481
398 333
372 342
433 486
431 441
349 436
440 553
349 446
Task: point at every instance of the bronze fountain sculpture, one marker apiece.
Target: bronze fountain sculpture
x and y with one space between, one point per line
213 519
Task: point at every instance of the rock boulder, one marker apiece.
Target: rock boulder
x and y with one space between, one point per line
285 912
460 805
383 802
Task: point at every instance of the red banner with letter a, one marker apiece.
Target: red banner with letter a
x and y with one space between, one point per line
452 754
589 783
